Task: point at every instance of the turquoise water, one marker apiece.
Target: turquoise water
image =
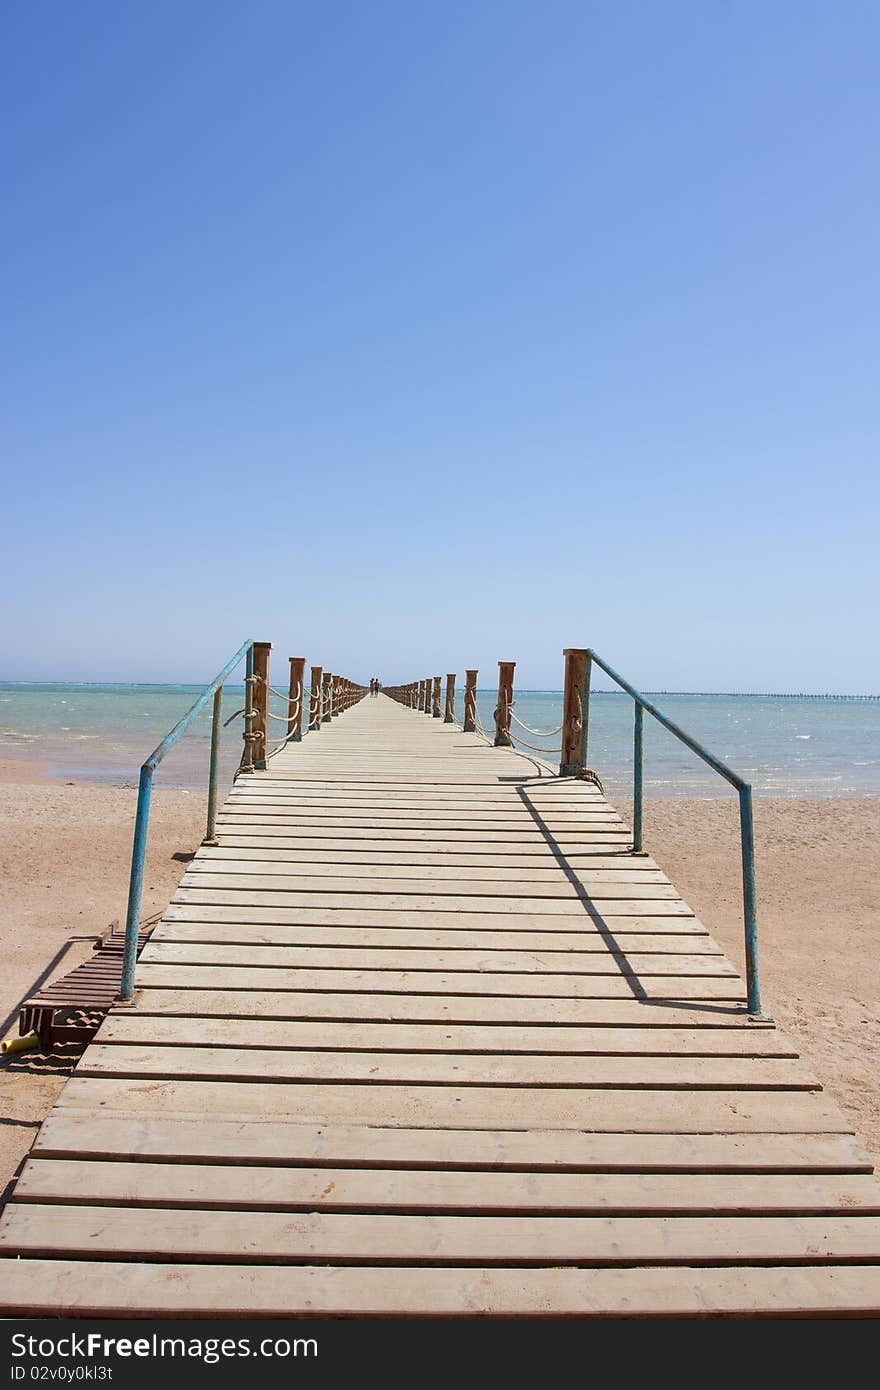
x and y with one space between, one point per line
786 746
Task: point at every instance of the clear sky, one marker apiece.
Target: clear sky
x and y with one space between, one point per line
414 336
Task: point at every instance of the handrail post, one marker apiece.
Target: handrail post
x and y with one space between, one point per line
296 694
449 716
638 761
470 701
750 901
504 703
423 696
247 752
210 836
136 882
326 687
574 702
261 701
315 701
435 703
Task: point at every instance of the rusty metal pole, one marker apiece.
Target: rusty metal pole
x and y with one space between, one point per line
261 702
470 701
449 715
315 703
295 698
573 711
505 701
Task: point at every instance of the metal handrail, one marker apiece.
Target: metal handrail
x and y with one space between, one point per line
145 789
743 788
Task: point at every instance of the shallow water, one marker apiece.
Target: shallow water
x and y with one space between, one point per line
785 745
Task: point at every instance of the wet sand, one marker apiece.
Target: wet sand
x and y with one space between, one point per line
64 859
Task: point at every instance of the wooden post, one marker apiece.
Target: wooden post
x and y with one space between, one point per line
449 715
315 704
423 696
261 702
505 700
470 701
295 696
573 699
435 703
326 712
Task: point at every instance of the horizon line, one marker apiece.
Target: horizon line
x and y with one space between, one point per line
523 690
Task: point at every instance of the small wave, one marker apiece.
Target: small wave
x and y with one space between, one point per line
803 735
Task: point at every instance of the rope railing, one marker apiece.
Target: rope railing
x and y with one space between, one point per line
539 733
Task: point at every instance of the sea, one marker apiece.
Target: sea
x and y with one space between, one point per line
786 745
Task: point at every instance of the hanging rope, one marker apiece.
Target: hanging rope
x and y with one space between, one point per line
521 742
539 733
284 718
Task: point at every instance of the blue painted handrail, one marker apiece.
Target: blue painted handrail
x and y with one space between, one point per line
145 789
744 791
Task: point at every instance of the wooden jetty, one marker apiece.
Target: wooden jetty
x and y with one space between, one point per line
420 1035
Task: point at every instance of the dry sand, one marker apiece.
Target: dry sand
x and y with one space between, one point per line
65 850
64 854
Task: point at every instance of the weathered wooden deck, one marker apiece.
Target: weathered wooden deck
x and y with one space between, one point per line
420 1037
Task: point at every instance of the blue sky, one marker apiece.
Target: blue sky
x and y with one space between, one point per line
414 336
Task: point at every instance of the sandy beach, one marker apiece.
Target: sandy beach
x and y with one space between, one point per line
64 856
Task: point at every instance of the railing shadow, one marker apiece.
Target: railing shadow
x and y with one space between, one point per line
613 943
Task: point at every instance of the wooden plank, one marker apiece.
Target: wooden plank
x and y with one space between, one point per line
485 961
490 836
430 902
273 934
472 1107
276 879
479 802
443 1037
571 824
520 1012
100 1288
357 851
559 986
252 1237
269 863
261 1188
68 1133
430 810
606 921
448 1068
